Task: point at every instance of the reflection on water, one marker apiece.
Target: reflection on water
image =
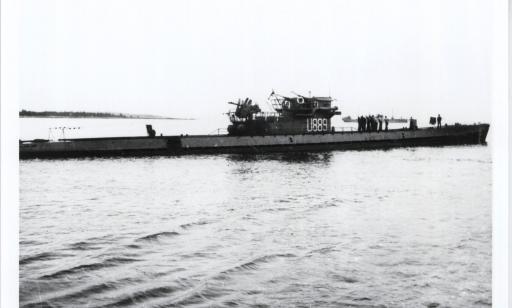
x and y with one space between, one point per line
291 157
396 228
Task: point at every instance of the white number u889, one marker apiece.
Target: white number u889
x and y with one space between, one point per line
316 125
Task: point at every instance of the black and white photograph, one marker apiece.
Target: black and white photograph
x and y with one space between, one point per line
243 153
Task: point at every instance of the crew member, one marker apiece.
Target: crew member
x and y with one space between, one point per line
386 121
380 123
439 121
368 124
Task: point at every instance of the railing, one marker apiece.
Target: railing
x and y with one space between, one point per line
255 115
218 131
344 128
266 114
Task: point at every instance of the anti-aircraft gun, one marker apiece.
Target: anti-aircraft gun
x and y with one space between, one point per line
245 109
243 119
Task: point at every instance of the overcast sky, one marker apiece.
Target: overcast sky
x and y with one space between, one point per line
188 58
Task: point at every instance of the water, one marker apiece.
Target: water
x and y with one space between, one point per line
399 228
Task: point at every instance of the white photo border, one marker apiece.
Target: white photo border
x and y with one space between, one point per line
9 164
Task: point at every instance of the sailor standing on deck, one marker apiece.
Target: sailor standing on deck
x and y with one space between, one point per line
439 120
380 123
368 123
363 123
386 121
358 124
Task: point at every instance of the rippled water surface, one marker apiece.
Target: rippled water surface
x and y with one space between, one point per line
398 228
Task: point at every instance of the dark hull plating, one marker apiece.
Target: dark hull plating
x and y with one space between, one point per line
182 145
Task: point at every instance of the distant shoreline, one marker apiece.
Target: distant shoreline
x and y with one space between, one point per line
122 118
91 115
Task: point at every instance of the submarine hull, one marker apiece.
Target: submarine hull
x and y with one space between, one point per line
217 144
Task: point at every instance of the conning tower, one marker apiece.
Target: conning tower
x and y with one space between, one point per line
292 115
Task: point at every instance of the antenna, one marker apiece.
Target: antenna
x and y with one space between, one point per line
269 104
62 129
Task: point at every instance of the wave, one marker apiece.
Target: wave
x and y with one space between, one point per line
44 304
192 224
139 296
156 236
92 290
133 246
253 264
198 255
410 262
83 246
196 297
348 304
111 262
22 243
360 299
208 291
322 251
345 279
482 302
276 209
85 292
44 256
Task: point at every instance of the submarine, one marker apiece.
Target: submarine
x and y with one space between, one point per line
298 123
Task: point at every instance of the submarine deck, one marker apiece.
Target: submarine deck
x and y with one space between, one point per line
216 144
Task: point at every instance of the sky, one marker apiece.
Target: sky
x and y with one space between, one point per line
187 58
